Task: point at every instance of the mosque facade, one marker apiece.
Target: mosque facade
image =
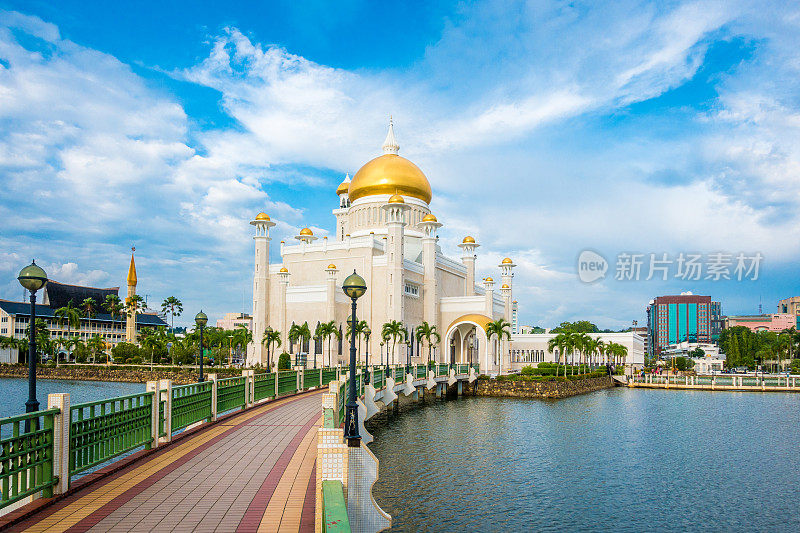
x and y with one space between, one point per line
386 232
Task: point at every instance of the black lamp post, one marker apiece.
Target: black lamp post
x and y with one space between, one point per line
33 278
351 320
354 287
201 320
367 333
382 354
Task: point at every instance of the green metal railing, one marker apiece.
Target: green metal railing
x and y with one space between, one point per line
264 386
421 371
378 378
190 404
342 394
26 456
442 370
231 394
334 509
328 375
287 381
104 429
311 378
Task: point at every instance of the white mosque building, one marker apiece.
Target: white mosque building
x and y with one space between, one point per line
386 232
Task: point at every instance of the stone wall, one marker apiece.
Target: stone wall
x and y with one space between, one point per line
537 389
111 373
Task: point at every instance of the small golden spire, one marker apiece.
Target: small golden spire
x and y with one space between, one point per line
132 269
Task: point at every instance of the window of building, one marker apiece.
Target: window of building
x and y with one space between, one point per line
412 290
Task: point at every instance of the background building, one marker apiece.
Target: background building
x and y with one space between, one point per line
775 322
531 349
234 320
682 318
791 306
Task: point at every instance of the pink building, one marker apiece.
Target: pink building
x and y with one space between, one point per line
776 322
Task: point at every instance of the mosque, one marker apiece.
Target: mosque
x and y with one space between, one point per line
387 233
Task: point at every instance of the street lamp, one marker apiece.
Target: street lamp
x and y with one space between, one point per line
352 321
32 278
201 320
367 333
354 287
382 354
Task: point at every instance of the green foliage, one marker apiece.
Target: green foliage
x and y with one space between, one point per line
284 361
743 347
136 360
581 326
125 351
528 370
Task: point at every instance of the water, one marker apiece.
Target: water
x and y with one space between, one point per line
14 392
615 460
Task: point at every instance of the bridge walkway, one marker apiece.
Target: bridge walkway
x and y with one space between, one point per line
253 471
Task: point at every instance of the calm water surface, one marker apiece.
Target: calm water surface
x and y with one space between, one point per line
14 392
616 460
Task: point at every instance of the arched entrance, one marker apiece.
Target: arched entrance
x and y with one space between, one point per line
467 342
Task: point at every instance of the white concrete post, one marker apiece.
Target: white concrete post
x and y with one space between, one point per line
213 379
165 392
152 386
249 386
61 428
276 381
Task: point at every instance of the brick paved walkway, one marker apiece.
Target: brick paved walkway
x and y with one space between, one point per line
251 472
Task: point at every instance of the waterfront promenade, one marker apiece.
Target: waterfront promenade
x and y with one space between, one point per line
250 471
724 382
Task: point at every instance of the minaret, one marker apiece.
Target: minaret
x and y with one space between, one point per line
395 210
488 284
390 145
430 303
468 246
330 293
343 191
283 319
262 224
507 277
130 319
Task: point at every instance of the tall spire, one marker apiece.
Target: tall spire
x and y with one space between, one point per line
132 269
390 145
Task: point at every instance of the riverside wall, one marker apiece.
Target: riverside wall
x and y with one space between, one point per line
537 389
111 373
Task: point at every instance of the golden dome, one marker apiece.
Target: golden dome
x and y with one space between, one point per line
507 261
306 231
284 269
488 279
469 239
390 174
396 199
504 286
429 218
343 187
331 267
262 216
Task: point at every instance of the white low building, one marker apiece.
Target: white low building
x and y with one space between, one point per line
708 365
532 349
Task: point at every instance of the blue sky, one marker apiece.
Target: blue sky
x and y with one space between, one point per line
545 128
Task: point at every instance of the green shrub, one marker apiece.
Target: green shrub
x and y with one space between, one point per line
136 360
284 361
125 351
528 371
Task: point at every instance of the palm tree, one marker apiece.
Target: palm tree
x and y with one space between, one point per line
96 345
598 346
327 330
583 343
361 328
113 305
270 338
393 331
173 307
242 336
71 316
88 306
427 333
498 328
565 343
294 334
150 341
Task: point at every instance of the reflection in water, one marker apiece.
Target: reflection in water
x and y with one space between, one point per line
615 460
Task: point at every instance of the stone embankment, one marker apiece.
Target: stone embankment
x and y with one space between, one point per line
538 389
110 373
